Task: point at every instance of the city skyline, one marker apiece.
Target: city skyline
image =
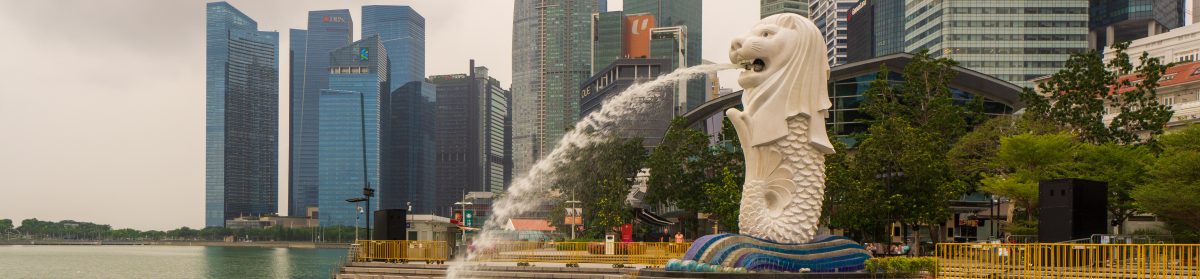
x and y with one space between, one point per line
132 131
138 139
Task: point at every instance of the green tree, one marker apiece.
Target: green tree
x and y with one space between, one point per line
677 171
975 154
600 175
725 198
6 224
1029 159
904 167
1173 193
848 203
1123 167
1076 98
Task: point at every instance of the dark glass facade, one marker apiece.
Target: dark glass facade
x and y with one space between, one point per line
241 116
402 31
1127 20
349 146
860 32
649 122
607 38
472 150
409 148
846 92
327 30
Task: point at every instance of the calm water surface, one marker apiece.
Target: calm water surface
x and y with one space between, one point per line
166 262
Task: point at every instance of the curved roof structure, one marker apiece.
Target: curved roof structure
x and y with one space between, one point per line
967 80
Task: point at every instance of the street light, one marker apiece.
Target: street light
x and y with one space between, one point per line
355 201
464 204
573 217
409 223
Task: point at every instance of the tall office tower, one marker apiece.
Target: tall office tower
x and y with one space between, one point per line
1113 21
677 13
771 7
860 31
1015 41
409 148
327 30
830 17
349 129
550 59
889 27
402 31
472 115
241 117
874 28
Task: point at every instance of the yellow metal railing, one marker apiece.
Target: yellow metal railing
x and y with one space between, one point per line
619 253
1065 260
401 251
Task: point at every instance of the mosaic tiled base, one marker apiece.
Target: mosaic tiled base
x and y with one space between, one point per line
739 253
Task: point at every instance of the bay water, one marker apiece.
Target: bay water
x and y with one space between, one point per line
89 261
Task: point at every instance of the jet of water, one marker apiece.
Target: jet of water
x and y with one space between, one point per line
524 193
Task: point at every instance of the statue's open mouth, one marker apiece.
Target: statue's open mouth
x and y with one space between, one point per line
756 65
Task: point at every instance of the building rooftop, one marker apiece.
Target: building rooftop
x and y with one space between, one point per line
530 225
1183 73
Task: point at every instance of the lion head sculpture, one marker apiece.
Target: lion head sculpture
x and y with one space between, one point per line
785 74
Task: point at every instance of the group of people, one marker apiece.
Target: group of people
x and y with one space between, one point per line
896 249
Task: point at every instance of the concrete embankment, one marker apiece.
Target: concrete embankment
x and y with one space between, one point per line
265 244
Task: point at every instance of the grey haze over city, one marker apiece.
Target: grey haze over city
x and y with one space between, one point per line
102 102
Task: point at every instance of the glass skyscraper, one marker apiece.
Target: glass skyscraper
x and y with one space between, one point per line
1015 41
327 30
402 31
550 58
472 117
241 116
771 7
349 135
874 28
668 13
1113 21
409 147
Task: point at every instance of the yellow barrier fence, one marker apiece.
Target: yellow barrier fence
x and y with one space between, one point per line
573 253
1065 260
402 251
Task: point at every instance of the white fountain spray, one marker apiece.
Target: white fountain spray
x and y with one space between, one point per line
524 193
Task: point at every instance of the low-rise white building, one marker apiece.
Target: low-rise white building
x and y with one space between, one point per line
1179 88
1178 45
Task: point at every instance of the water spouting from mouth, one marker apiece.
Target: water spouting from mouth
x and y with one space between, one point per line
525 193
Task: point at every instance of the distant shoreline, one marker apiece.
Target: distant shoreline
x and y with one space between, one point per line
262 244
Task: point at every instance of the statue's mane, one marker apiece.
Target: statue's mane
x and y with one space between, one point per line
800 85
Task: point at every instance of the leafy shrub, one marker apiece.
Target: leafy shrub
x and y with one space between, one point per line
901 266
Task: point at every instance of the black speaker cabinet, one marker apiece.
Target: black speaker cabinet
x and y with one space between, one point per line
391 224
1071 209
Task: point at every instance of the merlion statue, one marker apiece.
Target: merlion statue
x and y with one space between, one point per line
782 129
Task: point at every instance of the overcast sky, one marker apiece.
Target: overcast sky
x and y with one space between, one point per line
102 102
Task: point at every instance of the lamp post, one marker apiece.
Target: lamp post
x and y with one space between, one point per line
409 223
573 224
464 204
367 191
355 201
